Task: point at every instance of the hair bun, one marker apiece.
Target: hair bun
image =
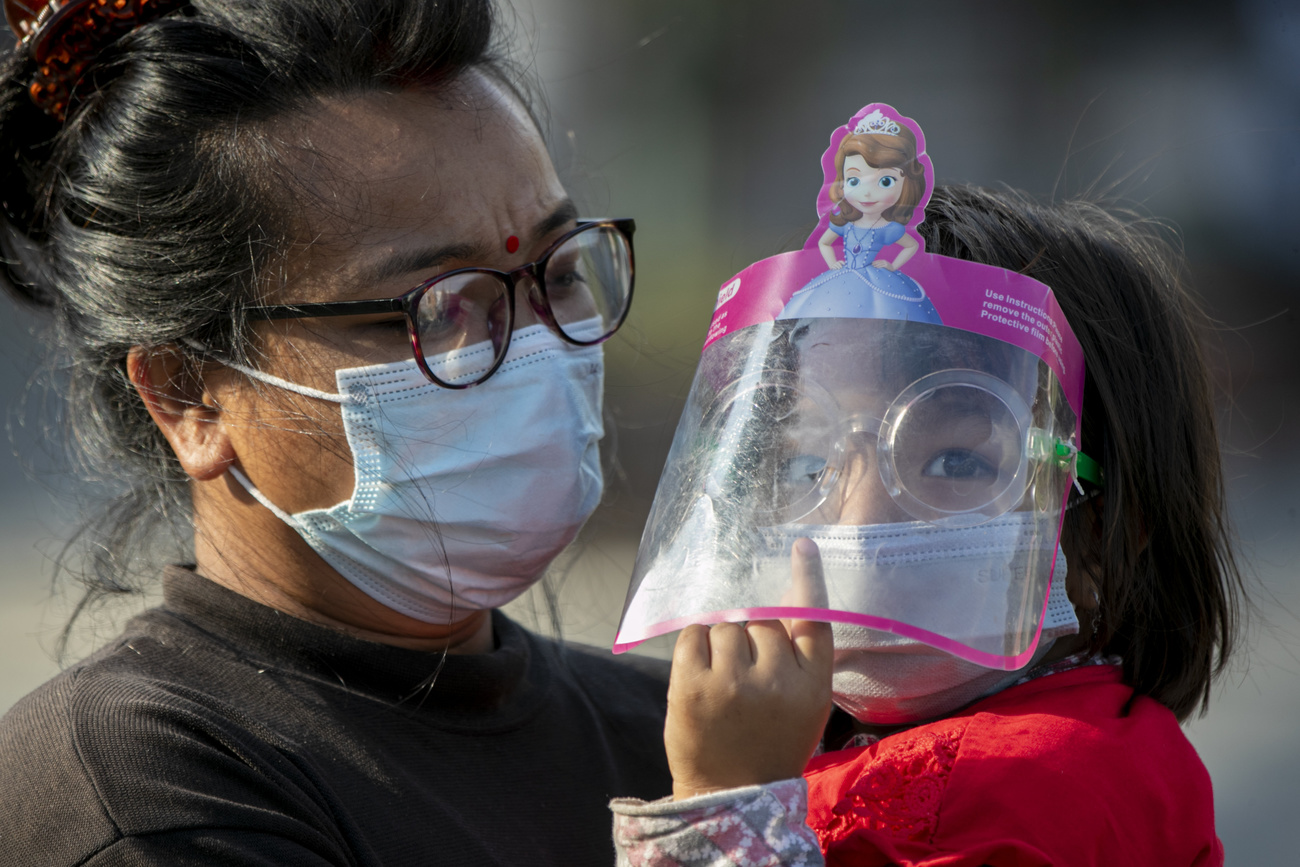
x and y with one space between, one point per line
65 36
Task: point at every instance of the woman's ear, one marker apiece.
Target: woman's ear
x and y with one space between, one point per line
173 390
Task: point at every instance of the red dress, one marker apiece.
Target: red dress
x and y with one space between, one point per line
1069 769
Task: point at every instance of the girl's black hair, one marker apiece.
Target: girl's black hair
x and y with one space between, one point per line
156 211
1156 541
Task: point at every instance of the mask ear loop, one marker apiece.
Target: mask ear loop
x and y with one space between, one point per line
268 378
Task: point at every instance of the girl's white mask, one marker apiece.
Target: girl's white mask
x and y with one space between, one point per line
883 678
462 498
891 683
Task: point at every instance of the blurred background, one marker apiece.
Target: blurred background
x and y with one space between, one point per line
705 120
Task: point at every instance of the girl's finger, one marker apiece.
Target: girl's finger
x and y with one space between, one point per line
692 651
771 640
812 642
733 651
814 645
808 584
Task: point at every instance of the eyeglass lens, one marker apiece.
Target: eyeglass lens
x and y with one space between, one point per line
588 279
462 310
955 449
588 284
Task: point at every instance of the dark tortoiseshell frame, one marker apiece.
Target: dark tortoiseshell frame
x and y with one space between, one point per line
408 302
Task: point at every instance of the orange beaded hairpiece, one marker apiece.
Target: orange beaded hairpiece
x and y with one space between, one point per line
65 36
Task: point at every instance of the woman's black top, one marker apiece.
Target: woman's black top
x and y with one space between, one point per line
219 731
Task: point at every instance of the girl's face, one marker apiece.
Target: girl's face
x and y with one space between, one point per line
869 189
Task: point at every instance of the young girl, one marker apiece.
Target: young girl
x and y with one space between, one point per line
1056 743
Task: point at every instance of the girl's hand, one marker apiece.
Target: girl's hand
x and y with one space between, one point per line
747 703
837 264
884 263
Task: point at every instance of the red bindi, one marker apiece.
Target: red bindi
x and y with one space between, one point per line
512 244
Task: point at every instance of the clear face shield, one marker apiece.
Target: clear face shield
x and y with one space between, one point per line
929 452
929 464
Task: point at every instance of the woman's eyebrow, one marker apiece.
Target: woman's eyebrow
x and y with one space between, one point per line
409 261
566 212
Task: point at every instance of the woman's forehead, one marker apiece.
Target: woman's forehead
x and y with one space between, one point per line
383 172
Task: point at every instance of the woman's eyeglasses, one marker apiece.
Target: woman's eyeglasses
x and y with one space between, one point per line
581 288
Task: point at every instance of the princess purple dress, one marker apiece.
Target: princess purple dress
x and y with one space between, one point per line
859 290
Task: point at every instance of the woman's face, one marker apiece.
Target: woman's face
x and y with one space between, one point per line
871 190
391 188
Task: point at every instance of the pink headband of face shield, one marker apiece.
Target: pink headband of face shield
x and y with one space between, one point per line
954 292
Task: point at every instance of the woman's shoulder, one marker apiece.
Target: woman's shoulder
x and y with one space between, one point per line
628 683
42 766
80 755
100 696
627 698
599 662
137 747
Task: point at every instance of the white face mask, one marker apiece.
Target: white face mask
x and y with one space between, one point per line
890 683
461 498
883 678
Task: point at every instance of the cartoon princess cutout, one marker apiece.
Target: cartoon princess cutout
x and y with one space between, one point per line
877 187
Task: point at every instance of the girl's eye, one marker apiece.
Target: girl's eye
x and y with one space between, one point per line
804 468
852 182
795 477
958 464
886 182
800 472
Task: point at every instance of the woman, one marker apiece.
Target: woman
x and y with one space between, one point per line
328 309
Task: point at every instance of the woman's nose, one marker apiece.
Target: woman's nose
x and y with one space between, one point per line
528 299
525 315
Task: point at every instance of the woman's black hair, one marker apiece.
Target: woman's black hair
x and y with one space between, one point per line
1158 544
155 212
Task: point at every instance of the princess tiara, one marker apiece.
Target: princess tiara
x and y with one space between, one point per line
876 124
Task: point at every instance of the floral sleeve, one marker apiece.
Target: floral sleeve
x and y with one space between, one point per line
754 826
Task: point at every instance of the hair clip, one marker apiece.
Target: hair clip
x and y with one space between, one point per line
65 36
